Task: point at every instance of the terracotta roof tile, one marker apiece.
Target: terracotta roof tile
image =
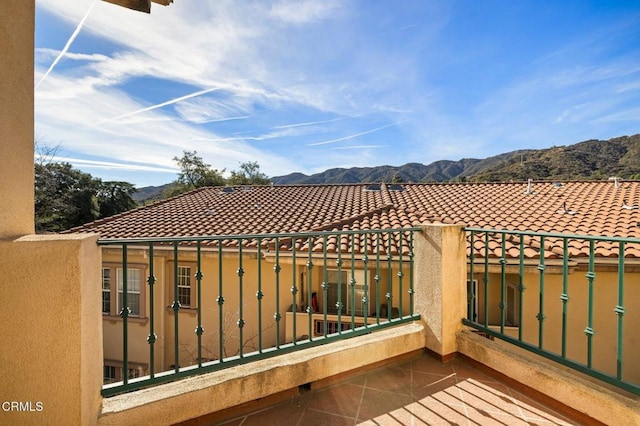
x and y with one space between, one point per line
592 208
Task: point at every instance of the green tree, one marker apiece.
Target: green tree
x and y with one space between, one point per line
115 197
64 197
194 173
249 174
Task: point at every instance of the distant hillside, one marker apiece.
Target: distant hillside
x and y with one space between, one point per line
438 171
149 193
593 159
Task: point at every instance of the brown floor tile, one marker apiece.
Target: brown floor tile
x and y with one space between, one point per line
281 414
433 412
376 403
422 391
492 398
392 379
319 418
342 400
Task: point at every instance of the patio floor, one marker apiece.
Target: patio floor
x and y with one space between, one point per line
419 391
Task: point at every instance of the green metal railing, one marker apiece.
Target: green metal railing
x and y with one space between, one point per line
391 250
551 322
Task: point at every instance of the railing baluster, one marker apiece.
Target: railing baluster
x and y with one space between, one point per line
152 337
352 282
503 283
540 316
377 278
339 304
619 309
564 297
365 264
471 289
521 288
176 308
486 279
220 302
124 313
294 290
400 276
325 286
389 295
277 316
310 287
199 275
411 288
240 322
591 275
259 295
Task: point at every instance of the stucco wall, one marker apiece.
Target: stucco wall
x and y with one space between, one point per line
17 26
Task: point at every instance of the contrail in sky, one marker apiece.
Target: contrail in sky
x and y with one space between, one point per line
160 105
356 135
66 46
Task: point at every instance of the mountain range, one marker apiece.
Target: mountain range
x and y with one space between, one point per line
591 160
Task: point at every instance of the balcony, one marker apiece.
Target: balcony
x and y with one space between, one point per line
531 361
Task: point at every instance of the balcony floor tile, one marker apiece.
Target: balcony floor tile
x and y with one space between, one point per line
420 391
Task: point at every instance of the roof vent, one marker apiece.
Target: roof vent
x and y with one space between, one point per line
395 187
616 181
529 190
372 187
227 190
564 210
627 206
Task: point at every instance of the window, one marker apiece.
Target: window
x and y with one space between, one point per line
513 305
184 285
106 291
183 281
133 290
339 284
113 290
113 371
109 374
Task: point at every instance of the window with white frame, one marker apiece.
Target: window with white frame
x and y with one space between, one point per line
106 291
113 289
340 291
184 285
134 277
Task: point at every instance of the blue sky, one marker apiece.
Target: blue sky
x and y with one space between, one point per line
303 86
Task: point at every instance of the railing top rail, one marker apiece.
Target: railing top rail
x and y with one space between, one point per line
554 235
194 238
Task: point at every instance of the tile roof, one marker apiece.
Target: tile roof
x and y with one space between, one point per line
592 208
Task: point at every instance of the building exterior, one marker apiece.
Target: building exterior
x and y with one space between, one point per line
571 208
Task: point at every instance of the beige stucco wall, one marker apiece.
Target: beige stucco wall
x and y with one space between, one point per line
440 277
17 26
50 329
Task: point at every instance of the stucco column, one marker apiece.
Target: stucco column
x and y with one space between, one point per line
51 330
440 279
17 26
